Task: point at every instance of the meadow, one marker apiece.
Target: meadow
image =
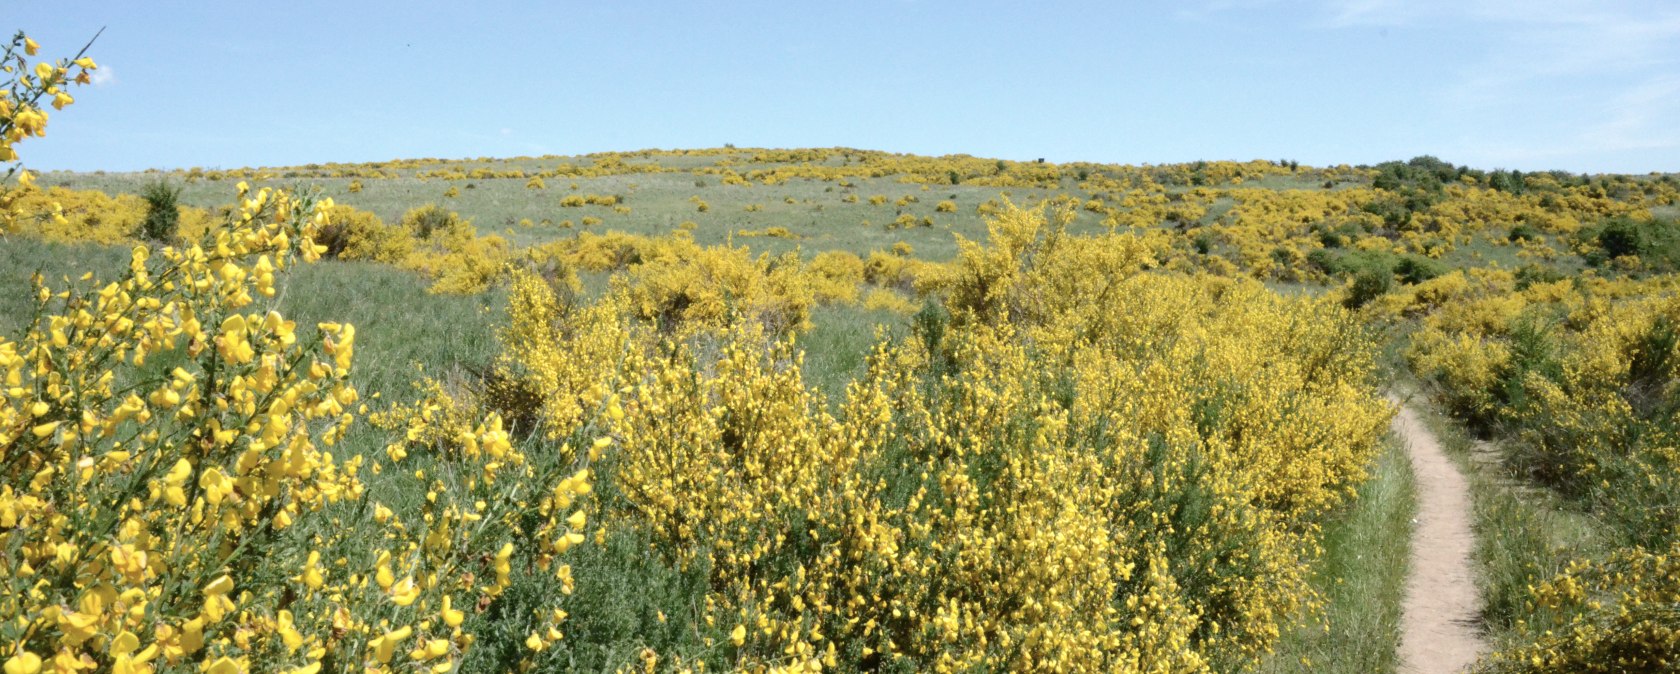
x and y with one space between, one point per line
778 410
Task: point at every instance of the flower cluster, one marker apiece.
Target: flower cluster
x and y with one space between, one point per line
22 115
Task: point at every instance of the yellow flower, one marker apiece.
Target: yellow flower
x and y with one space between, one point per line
31 122
738 636
312 576
385 646
288 633
430 650
223 665
124 644
23 663
219 587
62 99
216 486
404 592
451 617
31 48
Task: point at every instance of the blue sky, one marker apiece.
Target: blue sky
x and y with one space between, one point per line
1539 84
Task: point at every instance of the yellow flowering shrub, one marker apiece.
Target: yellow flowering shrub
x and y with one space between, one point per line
835 276
172 483
1578 376
444 247
177 496
354 234
896 271
86 216
22 116
1034 483
887 300
720 285
1616 615
159 516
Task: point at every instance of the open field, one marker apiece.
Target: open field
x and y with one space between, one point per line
791 410
1080 418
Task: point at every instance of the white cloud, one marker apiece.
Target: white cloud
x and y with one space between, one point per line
1351 13
1571 78
1208 8
1588 82
103 76
1642 117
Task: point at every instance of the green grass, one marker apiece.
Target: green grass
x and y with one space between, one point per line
1484 250
838 344
1362 578
819 218
398 324
58 263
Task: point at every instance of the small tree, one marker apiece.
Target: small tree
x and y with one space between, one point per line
163 212
1414 269
1368 284
1622 236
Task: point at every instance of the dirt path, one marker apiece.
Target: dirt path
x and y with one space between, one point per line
1439 633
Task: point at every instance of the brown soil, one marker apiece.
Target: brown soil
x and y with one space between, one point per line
1440 630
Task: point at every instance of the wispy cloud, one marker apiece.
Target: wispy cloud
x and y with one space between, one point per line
1641 118
1202 10
1604 73
104 76
1384 13
1564 78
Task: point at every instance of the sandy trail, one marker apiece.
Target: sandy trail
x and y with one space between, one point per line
1439 630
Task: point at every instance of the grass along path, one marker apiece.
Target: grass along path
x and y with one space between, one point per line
1440 630
1362 577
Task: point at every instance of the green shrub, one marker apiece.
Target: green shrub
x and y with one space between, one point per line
1351 263
1530 274
1368 284
163 211
1655 242
1330 238
1622 236
1204 243
1414 269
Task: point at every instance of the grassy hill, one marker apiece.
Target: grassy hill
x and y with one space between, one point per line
824 395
